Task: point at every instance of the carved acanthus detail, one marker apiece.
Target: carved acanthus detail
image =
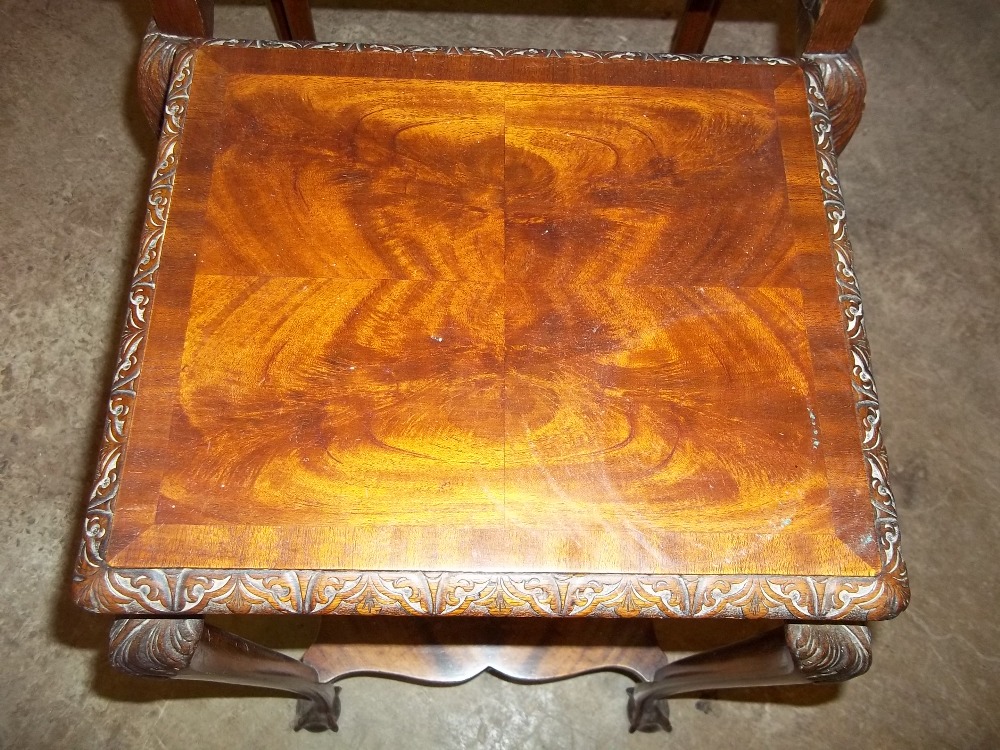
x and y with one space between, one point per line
844 86
156 59
829 653
149 647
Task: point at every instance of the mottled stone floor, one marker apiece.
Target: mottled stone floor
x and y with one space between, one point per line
921 184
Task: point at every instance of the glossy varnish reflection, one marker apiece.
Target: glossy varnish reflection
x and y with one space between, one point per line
466 315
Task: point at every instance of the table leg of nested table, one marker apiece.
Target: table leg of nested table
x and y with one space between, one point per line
796 653
189 649
192 650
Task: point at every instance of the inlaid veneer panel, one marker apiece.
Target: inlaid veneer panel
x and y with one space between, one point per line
498 314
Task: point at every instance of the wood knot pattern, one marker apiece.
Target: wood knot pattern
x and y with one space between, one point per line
150 647
830 653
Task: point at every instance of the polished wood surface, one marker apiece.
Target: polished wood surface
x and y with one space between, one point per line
475 314
452 650
830 26
292 19
184 17
797 653
694 26
190 649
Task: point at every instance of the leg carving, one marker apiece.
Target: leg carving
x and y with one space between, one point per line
845 86
153 75
797 653
154 648
829 653
191 650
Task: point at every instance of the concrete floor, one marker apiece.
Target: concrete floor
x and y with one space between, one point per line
921 184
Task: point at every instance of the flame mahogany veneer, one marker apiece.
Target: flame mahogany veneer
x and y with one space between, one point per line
426 319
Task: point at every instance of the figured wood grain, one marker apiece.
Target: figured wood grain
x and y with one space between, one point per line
477 324
156 563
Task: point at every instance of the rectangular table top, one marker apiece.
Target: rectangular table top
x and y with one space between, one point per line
492 318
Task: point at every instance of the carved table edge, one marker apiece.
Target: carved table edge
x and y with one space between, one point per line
329 592
101 588
154 37
159 51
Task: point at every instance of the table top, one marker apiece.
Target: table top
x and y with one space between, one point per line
479 332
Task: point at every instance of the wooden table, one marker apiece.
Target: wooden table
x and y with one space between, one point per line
491 333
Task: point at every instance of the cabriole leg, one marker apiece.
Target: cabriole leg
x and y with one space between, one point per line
694 26
796 653
293 19
844 88
188 649
153 73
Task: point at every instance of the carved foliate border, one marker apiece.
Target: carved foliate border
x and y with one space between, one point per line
100 507
893 575
101 588
494 52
